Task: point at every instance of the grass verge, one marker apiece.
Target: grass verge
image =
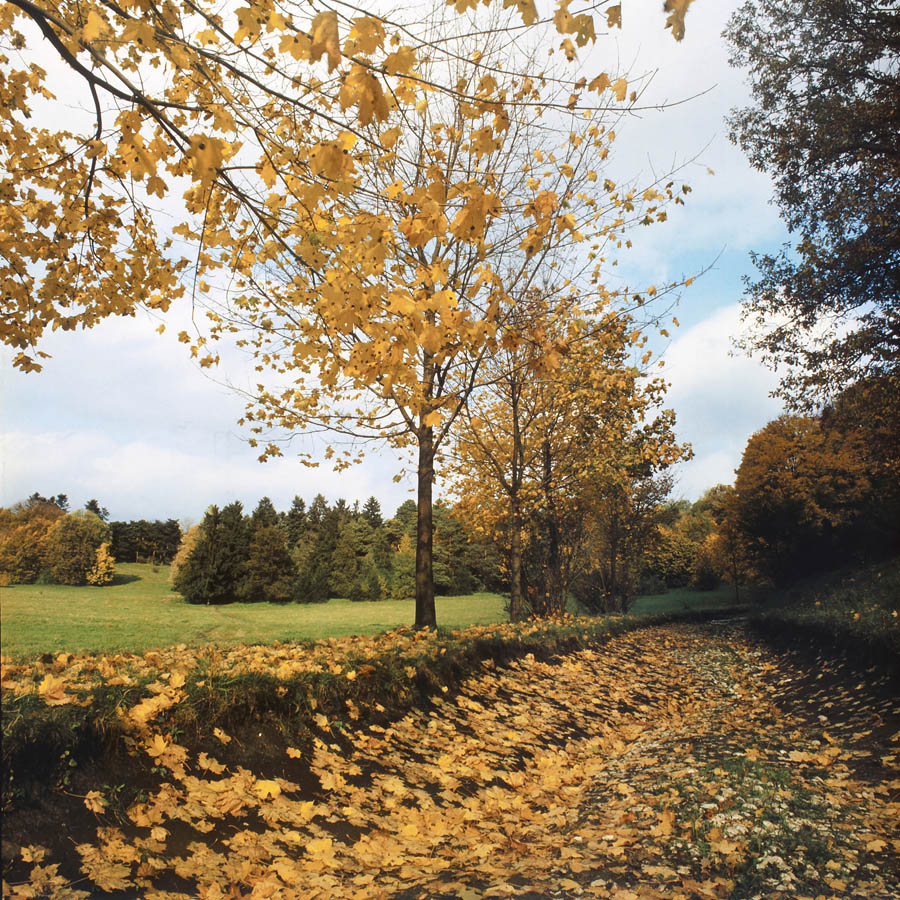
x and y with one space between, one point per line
63 715
854 611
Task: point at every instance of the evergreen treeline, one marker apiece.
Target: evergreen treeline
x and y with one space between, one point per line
311 553
143 541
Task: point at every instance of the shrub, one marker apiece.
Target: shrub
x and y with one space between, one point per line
104 569
312 584
72 544
368 586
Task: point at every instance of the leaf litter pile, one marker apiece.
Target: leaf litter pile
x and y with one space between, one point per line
681 761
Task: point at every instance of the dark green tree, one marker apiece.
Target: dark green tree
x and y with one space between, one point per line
60 500
295 521
264 516
371 512
270 575
403 522
825 77
368 585
101 512
216 565
318 512
312 585
453 566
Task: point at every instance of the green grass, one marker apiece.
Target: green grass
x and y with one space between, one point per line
682 599
857 609
140 612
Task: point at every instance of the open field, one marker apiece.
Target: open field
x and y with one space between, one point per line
140 611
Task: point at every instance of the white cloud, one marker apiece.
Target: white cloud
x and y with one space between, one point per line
123 415
719 399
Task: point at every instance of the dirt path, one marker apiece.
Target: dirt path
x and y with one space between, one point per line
678 762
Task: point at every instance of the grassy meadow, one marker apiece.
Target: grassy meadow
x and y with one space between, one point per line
139 612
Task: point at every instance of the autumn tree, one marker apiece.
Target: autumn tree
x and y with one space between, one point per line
70 550
189 540
548 439
726 549
347 176
23 535
801 492
104 569
625 517
825 78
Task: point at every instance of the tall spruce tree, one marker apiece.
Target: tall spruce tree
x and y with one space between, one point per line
270 575
371 512
264 516
295 522
216 566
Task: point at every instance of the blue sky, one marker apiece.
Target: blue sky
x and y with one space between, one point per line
121 414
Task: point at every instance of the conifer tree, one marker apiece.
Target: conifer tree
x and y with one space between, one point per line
371 512
270 575
264 515
295 521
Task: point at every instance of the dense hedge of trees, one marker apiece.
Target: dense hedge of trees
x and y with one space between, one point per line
143 541
41 541
311 553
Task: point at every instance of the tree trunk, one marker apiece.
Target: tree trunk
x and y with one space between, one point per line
425 614
516 602
612 601
555 602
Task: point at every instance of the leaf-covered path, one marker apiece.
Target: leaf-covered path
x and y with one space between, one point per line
672 762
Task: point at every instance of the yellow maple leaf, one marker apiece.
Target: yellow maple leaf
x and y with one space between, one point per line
325 39
33 853
156 746
266 789
389 137
366 36
206 154
94 26
94 801
293 753
400 61
677 10
53 691
527 9
663 828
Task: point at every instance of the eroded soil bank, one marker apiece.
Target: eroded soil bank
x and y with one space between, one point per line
685 761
